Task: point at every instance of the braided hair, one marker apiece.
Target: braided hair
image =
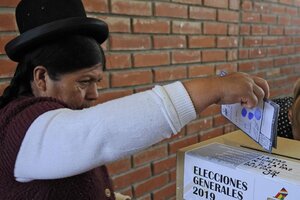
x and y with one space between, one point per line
58 57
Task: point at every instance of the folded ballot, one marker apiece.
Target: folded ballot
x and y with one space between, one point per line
259 123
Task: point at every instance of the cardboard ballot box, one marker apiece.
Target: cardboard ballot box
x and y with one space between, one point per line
234 167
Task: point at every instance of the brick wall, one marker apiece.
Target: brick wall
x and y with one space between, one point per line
159 41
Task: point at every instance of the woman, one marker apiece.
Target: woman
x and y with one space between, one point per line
53 144
289 119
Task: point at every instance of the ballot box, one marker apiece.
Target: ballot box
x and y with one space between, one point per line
234 167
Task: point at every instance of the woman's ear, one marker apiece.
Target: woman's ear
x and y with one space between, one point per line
39 79
290 114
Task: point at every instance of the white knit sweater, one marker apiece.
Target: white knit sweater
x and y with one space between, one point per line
75 141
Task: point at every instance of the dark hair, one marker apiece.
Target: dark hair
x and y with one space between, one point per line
58 57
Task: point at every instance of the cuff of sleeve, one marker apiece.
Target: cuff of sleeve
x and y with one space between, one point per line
182 102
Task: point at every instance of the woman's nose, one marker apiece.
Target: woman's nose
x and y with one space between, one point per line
92 92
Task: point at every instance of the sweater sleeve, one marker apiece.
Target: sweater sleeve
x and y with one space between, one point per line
63 142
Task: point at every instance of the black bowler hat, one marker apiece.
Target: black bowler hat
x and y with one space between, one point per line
41 21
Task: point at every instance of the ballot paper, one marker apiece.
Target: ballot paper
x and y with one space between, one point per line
259 123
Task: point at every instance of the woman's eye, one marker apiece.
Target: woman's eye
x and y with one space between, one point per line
85 82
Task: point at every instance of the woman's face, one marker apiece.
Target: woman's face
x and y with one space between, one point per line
295 119
78 89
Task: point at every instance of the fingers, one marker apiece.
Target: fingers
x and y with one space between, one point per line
250 101
263 85
260 90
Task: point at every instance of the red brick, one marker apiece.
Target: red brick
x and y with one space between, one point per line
274 51
131 7
203 13
284 20
228 67
164 165
287 70
281 61
130 78
7 68
250 17
243 53
150 184
294 60
234 4
288 2
247 5
292 11
273 72
270 41
183 27
212 134
252 41
171 10
277 9
199 125
213 55
119 166
268 19
9 3
190 56
173 175
257 53
245 29
261 7
246 66
169 74
194 2
232 55
8 22
4 39
265 64
201 71
289 31
130 42
202 41
118 61
227 42
288 50
3 85
296 40
151 59
233 29
150 154
276 30
167 42
165 192
114 94
216 3
183 142
95 5
295 21
229 128
214 28
117 24
131 177
259 29
151 26
219 120
228 16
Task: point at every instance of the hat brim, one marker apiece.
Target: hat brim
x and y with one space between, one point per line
30 39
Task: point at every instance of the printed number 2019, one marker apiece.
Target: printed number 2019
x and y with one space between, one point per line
206 194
